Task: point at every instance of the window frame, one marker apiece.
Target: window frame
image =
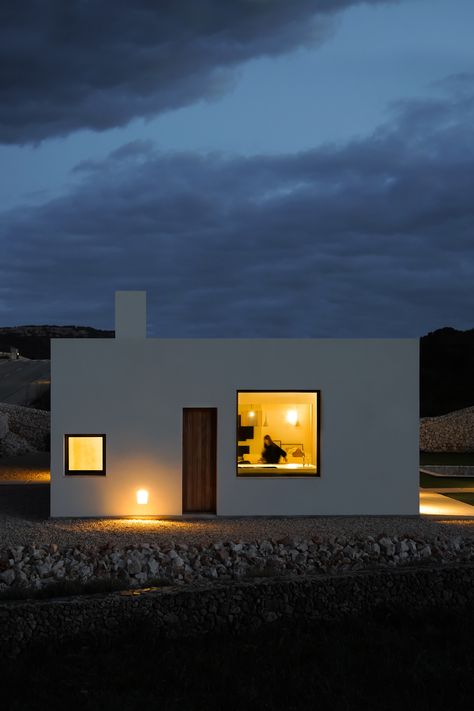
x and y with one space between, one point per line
84 472
286 475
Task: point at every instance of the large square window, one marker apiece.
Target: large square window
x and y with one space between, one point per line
278 433
84 454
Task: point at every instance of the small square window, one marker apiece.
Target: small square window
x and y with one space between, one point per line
84 454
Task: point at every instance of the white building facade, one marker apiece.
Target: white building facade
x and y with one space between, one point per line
171 427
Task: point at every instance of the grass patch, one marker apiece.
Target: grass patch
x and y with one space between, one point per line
386 661
447 458
69 588
466 497
445 482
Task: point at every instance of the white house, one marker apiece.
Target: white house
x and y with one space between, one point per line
169 427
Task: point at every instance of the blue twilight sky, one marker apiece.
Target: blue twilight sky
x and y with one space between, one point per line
262 167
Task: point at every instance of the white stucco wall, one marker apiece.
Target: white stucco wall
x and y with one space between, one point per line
135 390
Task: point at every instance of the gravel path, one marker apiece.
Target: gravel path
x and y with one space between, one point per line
24 518
20 524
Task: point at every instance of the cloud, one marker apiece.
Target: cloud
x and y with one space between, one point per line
372 238
79 64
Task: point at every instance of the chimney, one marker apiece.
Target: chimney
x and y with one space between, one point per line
130 314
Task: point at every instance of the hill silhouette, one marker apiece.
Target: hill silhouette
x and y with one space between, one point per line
34 341
446 360
447 371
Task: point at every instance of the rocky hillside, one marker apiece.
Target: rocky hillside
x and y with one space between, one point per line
453 432
34 341
23 430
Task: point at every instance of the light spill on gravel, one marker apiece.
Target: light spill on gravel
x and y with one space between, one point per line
21 531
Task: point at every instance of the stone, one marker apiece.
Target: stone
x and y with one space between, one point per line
387 546
43 569
133 566
8 576
403 547
350 552
153 566
17 553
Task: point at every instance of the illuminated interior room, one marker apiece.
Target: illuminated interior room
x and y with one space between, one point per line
291 421
84 454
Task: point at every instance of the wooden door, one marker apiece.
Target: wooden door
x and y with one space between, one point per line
199 459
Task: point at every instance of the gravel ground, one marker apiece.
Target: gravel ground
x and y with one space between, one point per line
24 512
25 522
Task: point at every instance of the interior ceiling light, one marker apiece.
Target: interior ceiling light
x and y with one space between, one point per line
292 417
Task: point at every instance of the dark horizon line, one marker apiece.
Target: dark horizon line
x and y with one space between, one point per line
10 329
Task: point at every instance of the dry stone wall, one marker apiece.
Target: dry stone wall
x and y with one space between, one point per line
453 432
34 566
229 606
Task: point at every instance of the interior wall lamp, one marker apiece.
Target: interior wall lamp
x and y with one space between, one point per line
292 417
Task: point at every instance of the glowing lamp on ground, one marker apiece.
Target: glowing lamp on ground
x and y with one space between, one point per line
142 496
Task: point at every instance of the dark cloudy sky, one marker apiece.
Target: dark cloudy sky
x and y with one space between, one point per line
285 168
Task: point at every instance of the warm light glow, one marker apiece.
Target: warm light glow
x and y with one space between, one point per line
292 417
85 454
142 496
153 522
435 504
